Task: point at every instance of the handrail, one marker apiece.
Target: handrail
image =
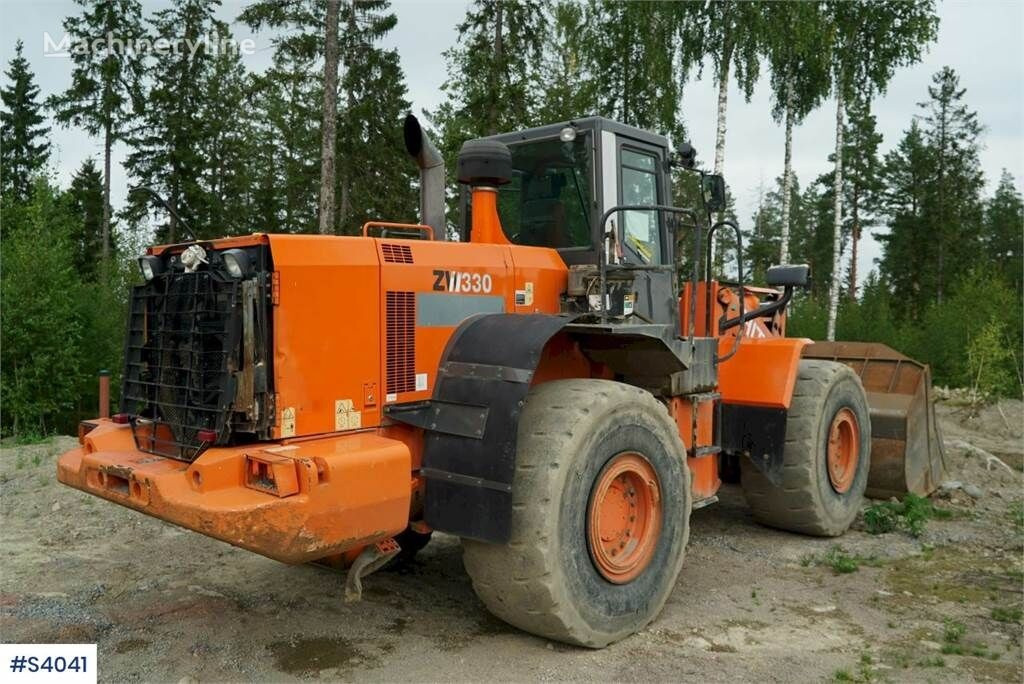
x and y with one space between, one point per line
695 275
384 224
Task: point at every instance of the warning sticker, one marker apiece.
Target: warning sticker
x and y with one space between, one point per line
524 297
421 382
288 422
345 415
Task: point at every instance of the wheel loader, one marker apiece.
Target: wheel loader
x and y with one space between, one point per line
560 387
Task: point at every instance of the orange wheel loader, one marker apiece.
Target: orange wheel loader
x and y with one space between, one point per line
556 388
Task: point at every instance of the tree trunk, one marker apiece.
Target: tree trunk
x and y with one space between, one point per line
345 172
105 232
787 174
723 101
496 69
172 221
854 238
837 237
328 134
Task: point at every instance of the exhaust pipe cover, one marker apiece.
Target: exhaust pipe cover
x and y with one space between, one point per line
432 178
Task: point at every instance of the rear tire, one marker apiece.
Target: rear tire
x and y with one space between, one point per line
563 574
814 498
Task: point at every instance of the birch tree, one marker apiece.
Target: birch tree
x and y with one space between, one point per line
870 40
798 47
732 32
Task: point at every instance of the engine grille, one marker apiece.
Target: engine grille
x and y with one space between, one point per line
400 332
396 254
183 333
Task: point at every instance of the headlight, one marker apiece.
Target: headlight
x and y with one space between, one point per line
236 261
150 266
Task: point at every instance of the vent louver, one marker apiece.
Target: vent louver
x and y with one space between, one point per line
396 254
400 331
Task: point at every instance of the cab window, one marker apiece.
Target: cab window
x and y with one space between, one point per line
548 201
641 229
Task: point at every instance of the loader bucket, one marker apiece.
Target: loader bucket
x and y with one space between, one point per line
906 446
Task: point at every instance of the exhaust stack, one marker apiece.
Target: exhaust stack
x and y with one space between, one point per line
431 163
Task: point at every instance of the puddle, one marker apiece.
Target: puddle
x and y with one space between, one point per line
307 656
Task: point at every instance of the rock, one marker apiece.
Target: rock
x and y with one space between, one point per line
931 645
698 643
973 491
823 609
951 485
883 592
55 507
188 679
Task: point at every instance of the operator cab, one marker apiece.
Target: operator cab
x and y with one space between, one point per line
566 175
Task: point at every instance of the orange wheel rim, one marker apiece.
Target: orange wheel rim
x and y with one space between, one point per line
843 450
624 517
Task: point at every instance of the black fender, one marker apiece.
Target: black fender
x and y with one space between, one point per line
471 421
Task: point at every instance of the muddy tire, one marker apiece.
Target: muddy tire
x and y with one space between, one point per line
583 447
826 459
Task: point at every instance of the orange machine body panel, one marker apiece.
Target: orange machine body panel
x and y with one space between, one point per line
294 501
763 370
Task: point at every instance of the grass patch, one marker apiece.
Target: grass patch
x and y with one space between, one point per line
910 515
839 560
1000 614
953 631
1016 515
933 661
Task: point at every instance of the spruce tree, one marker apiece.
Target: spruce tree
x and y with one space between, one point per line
172 142
285 171
861 180
106 92
374 179
906 246
85 199
951 133
492 72
1003 232
25 147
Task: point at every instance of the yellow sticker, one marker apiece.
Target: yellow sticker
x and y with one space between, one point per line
288 422
345 417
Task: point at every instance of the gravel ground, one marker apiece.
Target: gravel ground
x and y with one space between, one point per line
165 604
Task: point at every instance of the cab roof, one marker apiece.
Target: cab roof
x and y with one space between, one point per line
595 123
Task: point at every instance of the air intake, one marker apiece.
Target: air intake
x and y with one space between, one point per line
396 254
400 334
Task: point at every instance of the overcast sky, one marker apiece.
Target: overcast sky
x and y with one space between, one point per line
983 40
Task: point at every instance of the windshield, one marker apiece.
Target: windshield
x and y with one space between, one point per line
548 201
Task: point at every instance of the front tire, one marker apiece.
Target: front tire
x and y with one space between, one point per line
826 456
600 515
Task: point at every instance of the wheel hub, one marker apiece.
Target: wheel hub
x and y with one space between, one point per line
624 517
843 450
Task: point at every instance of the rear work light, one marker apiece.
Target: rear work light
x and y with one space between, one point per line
207 435
121 418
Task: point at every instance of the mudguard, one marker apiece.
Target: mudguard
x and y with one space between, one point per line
470 423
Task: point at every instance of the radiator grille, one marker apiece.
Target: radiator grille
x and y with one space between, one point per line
400 331
396 254
182 331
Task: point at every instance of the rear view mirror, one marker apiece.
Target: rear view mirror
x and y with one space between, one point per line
790 275
713 190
